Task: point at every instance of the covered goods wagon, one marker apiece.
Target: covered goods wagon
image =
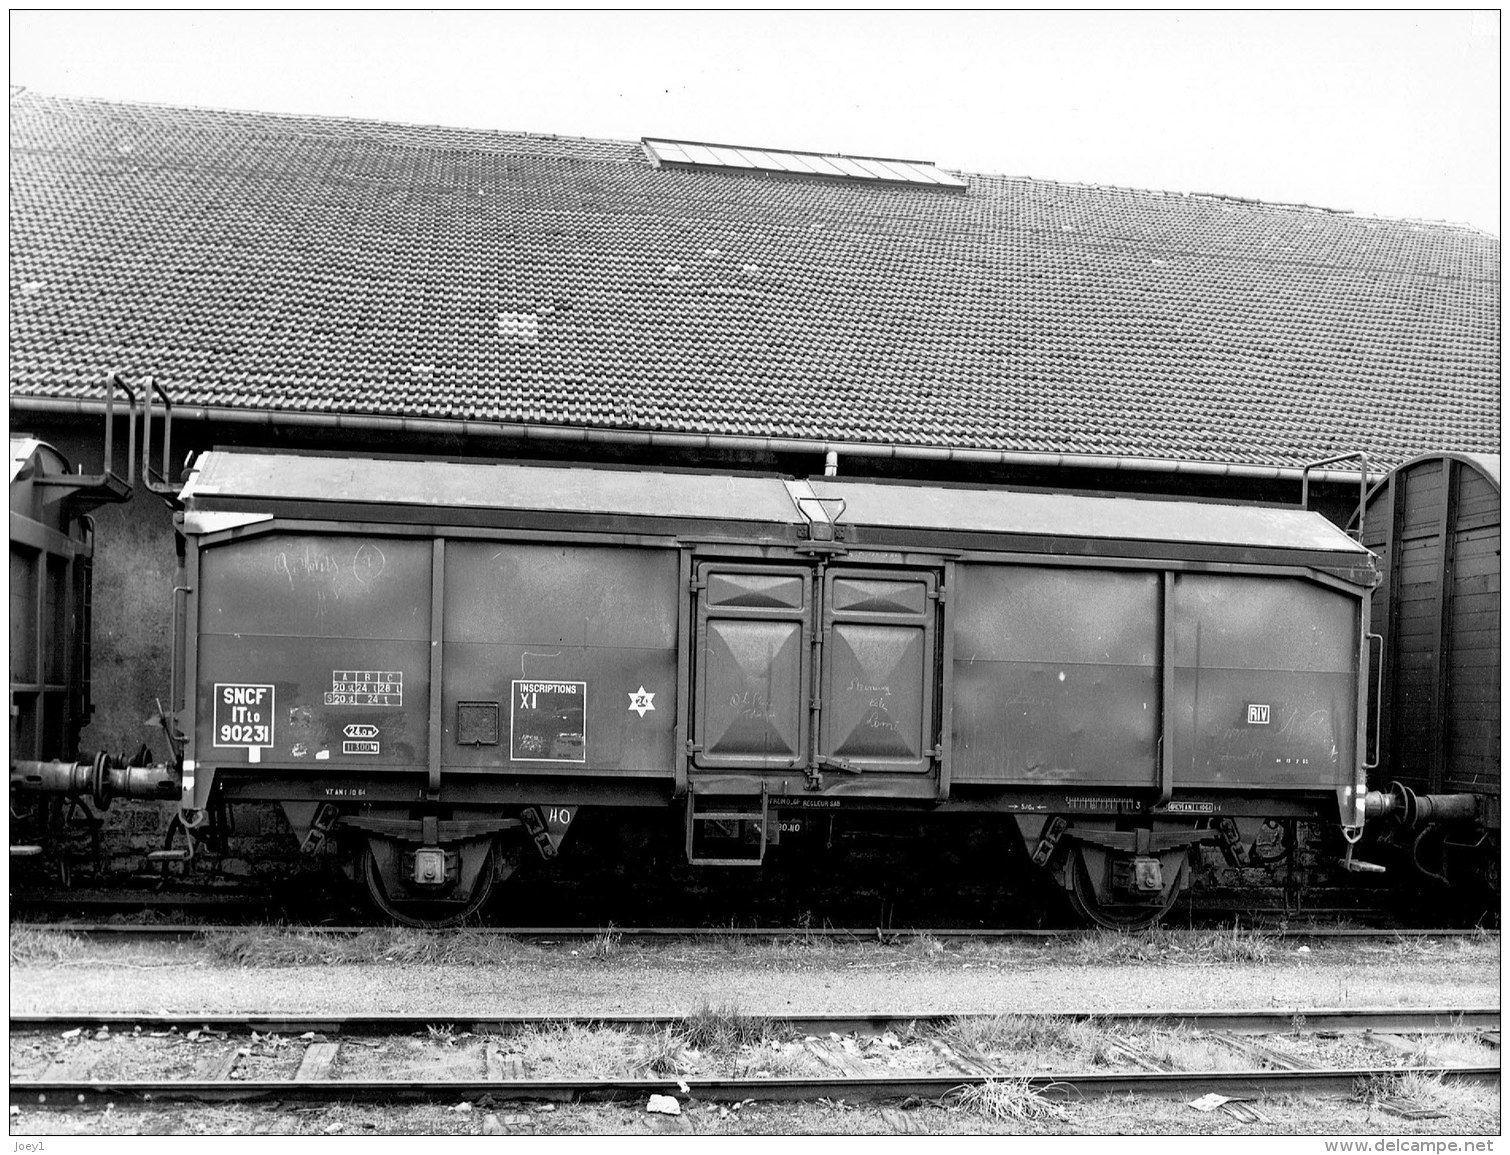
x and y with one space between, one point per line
432 665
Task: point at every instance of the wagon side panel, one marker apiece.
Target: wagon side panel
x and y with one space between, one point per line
1056 675
1265 682
1471 634
559 659
314 651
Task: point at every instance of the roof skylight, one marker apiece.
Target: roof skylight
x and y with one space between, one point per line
882 170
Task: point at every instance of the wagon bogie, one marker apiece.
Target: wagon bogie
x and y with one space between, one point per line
434 885
1120 889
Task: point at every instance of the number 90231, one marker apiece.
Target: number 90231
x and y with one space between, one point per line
250 735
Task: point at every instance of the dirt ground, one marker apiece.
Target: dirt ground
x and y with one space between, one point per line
1473 1113
1102 973
291 972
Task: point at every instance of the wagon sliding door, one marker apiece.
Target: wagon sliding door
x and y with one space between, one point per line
879 632
756 686
754 653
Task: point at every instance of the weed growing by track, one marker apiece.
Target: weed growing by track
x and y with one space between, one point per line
1424 1093
662 1053
32 947
1234 946
853 955
1006 1032
605 945
1091 1041
1414 1093
771 1060
1159 945
927 946
727 1028
1033 1041
1009 1101
1182 1049
679 1048
1418 948
397 945
576 1050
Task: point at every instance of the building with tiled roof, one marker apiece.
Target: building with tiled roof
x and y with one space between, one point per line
501 290
340 284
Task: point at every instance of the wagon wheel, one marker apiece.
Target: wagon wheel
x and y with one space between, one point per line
1114 916
437 913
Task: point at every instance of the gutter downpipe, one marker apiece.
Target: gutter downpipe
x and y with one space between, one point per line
532 431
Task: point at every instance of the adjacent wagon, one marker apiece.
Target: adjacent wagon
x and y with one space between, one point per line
1434 524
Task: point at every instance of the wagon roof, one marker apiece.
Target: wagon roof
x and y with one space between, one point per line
25 452
21 451
487 485
963 510
316 265
1486 463
244 480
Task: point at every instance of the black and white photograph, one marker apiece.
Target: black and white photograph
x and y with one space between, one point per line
726 576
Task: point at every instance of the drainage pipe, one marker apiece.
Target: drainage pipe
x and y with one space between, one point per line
656 439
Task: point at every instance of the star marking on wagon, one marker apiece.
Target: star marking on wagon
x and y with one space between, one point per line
641 701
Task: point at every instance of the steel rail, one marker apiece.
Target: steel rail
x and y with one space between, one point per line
865 934
75 1093
121 897
1394 1020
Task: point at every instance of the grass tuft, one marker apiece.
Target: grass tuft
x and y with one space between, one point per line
560 1050
1233 946
1432 1092
1181 1049
725 1027
402 946
605 945
1091 1041
1110 947
1006 1032
1379 1088
929 947
1008 1101
771 1060
732 942
32 947
1159 944
1413 1093
662 1053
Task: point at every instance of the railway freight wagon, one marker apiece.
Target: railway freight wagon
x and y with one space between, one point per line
51 556
434 666
1434 524
51 584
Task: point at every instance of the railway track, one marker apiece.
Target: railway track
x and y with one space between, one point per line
1395 1020
1215 911
1234 1084
868 934
847 1076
